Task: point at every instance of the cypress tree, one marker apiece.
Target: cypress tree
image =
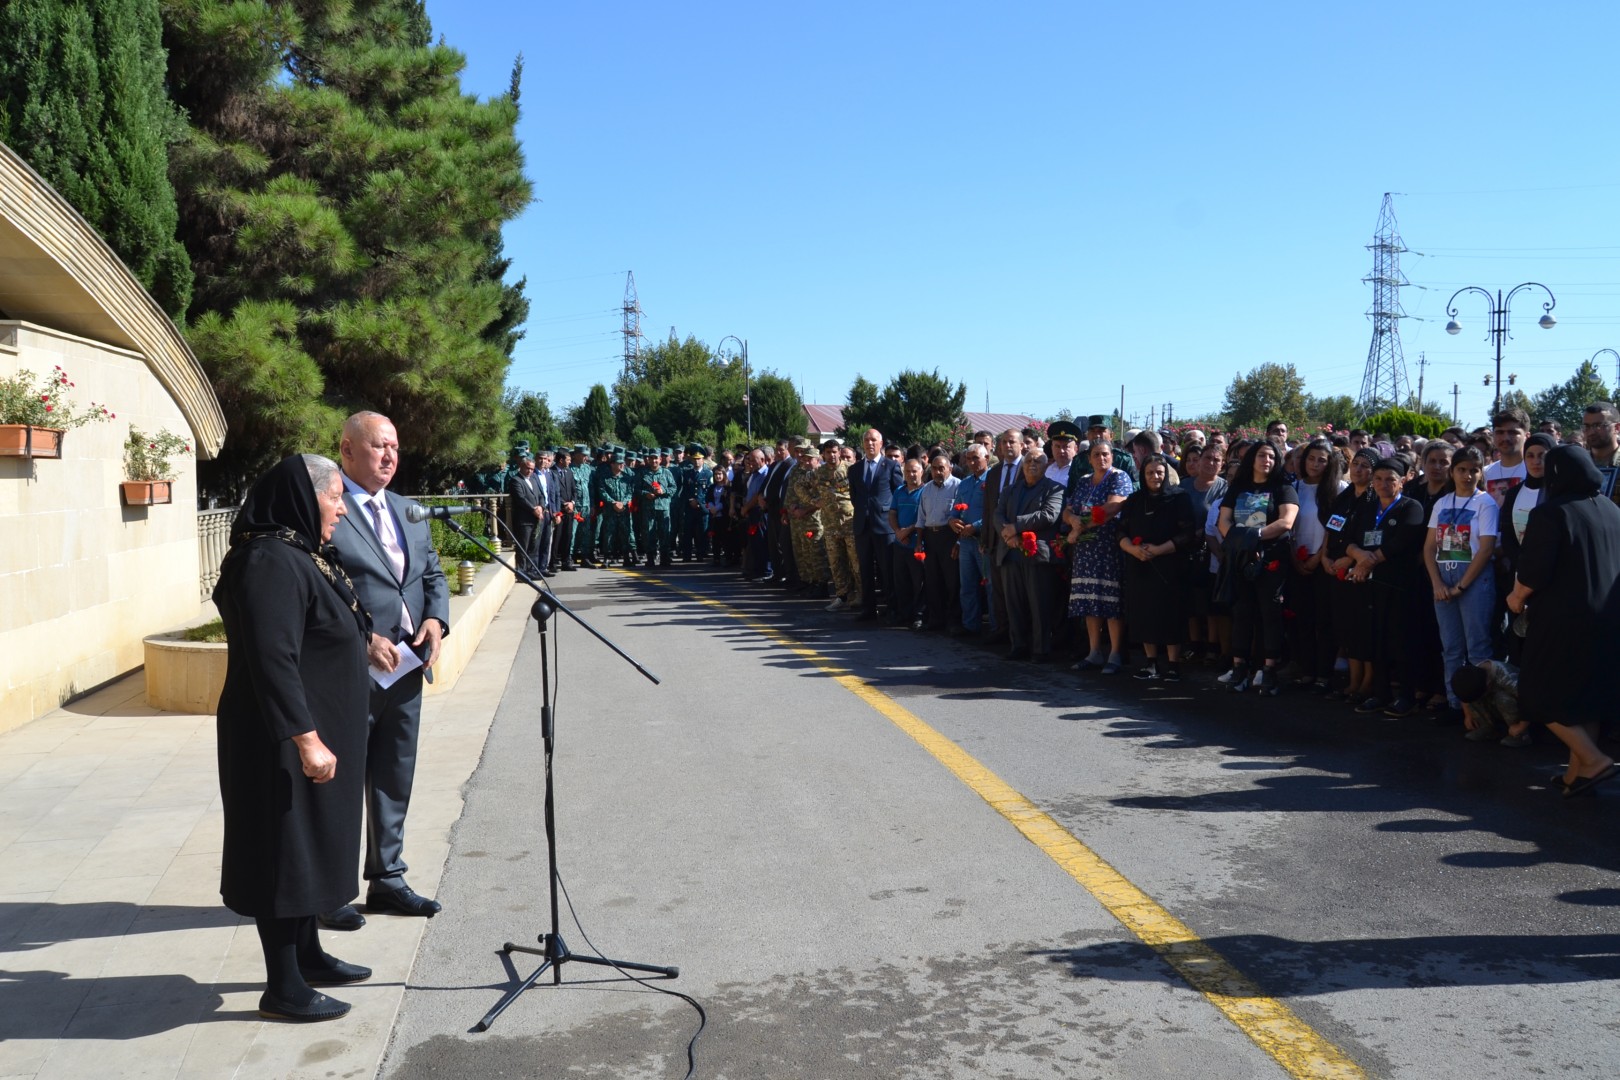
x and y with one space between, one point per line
82 101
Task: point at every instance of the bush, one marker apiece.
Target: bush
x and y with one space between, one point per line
448 543
1405 422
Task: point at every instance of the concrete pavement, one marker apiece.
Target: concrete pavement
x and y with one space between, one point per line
116 958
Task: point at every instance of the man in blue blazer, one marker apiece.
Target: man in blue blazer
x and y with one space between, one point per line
872 482
398 579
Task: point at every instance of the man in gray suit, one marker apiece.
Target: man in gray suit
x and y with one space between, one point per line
398 579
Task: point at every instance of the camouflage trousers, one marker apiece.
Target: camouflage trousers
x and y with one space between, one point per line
842 564
809 553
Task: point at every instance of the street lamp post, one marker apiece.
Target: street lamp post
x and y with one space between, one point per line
1616 356
748 404
1499 321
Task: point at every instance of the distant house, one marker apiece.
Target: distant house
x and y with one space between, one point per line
84 577
824 421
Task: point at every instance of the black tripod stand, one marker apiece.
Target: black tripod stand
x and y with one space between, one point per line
552 946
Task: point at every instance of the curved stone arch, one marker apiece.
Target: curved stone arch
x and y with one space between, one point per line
57 271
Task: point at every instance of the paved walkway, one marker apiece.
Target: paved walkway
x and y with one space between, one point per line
116 958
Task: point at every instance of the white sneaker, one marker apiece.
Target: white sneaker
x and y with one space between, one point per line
1228 679
837 604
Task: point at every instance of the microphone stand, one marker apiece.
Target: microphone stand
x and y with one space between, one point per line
555 951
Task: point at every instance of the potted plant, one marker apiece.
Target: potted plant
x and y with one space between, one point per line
149 474
34 416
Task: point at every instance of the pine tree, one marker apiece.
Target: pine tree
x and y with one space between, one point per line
82 101
342 203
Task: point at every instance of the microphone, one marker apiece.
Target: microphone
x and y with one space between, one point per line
417 512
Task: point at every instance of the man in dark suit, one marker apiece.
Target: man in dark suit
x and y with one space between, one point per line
779 535
872 482
398 579
998 478
527 507
566 496
1027 518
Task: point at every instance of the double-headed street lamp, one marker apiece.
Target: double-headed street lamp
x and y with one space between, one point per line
748 404
1499 321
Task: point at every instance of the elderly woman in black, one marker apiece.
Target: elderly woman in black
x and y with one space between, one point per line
1349 604
292 731
1260 499
1569 580
1386 546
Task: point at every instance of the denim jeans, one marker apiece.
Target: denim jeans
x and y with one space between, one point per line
1465 622
972 569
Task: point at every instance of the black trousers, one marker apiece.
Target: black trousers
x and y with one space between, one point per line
872 550
942 582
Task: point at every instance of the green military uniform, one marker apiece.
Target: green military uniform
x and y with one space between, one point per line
615 532
801 502
604 455
696 481
655 493
838 530
584 506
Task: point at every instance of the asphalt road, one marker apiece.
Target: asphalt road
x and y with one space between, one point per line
844 905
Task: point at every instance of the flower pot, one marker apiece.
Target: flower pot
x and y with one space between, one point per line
147 492
23 440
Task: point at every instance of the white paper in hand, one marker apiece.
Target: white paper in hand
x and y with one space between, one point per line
408 662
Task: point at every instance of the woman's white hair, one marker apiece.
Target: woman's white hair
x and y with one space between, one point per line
321 470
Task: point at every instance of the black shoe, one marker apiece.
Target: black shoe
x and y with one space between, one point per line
569 568
401 901
1171 674
1148 674
1401 707
344 918
1371 705
337 974
320 1007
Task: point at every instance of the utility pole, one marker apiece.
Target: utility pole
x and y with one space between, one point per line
1423 362
1169 411
1454 393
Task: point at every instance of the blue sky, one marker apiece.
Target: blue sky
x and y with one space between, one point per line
1047 201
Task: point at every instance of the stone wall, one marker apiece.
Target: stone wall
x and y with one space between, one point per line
84 578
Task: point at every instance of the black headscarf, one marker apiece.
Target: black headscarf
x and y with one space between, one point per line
1571 476
1540 438
282 506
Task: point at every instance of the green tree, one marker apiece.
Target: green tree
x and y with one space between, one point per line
1405 422
1268 392
82 100
686 404
1339 411
907 406
531 418
1567 401
861 407
778 412
333 169
591 421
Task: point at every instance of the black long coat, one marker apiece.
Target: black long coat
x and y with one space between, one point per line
296 664
1571 558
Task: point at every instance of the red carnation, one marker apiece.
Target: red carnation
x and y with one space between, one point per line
1137 540
579 517
809 534
1099 515
658 489
753 530
1029 544
959 507
1341 573
1272 566
919 555
1057 549
1302 553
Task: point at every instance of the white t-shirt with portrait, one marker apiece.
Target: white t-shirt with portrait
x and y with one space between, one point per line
1501 479
1458 525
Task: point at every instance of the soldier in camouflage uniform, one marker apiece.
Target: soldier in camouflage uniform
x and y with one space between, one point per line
801 502
837 528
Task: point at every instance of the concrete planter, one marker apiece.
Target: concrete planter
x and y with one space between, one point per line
184 676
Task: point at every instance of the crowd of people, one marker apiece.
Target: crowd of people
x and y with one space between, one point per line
1393 574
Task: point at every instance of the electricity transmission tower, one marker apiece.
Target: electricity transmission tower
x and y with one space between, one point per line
1385 384
632 324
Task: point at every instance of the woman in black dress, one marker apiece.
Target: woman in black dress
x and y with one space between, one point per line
292 730
1569 575
1386 546
1349 604
1262 500
1157 530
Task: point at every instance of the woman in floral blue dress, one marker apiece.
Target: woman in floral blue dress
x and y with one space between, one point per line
1094 589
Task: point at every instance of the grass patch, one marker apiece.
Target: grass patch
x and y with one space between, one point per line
208 632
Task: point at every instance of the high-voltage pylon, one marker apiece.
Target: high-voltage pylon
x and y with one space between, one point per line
632 324
1384 385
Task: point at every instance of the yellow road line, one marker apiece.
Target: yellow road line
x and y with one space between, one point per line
1273 1026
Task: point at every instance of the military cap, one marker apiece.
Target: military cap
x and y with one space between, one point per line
1065 429
581 448
618 456
1097 420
